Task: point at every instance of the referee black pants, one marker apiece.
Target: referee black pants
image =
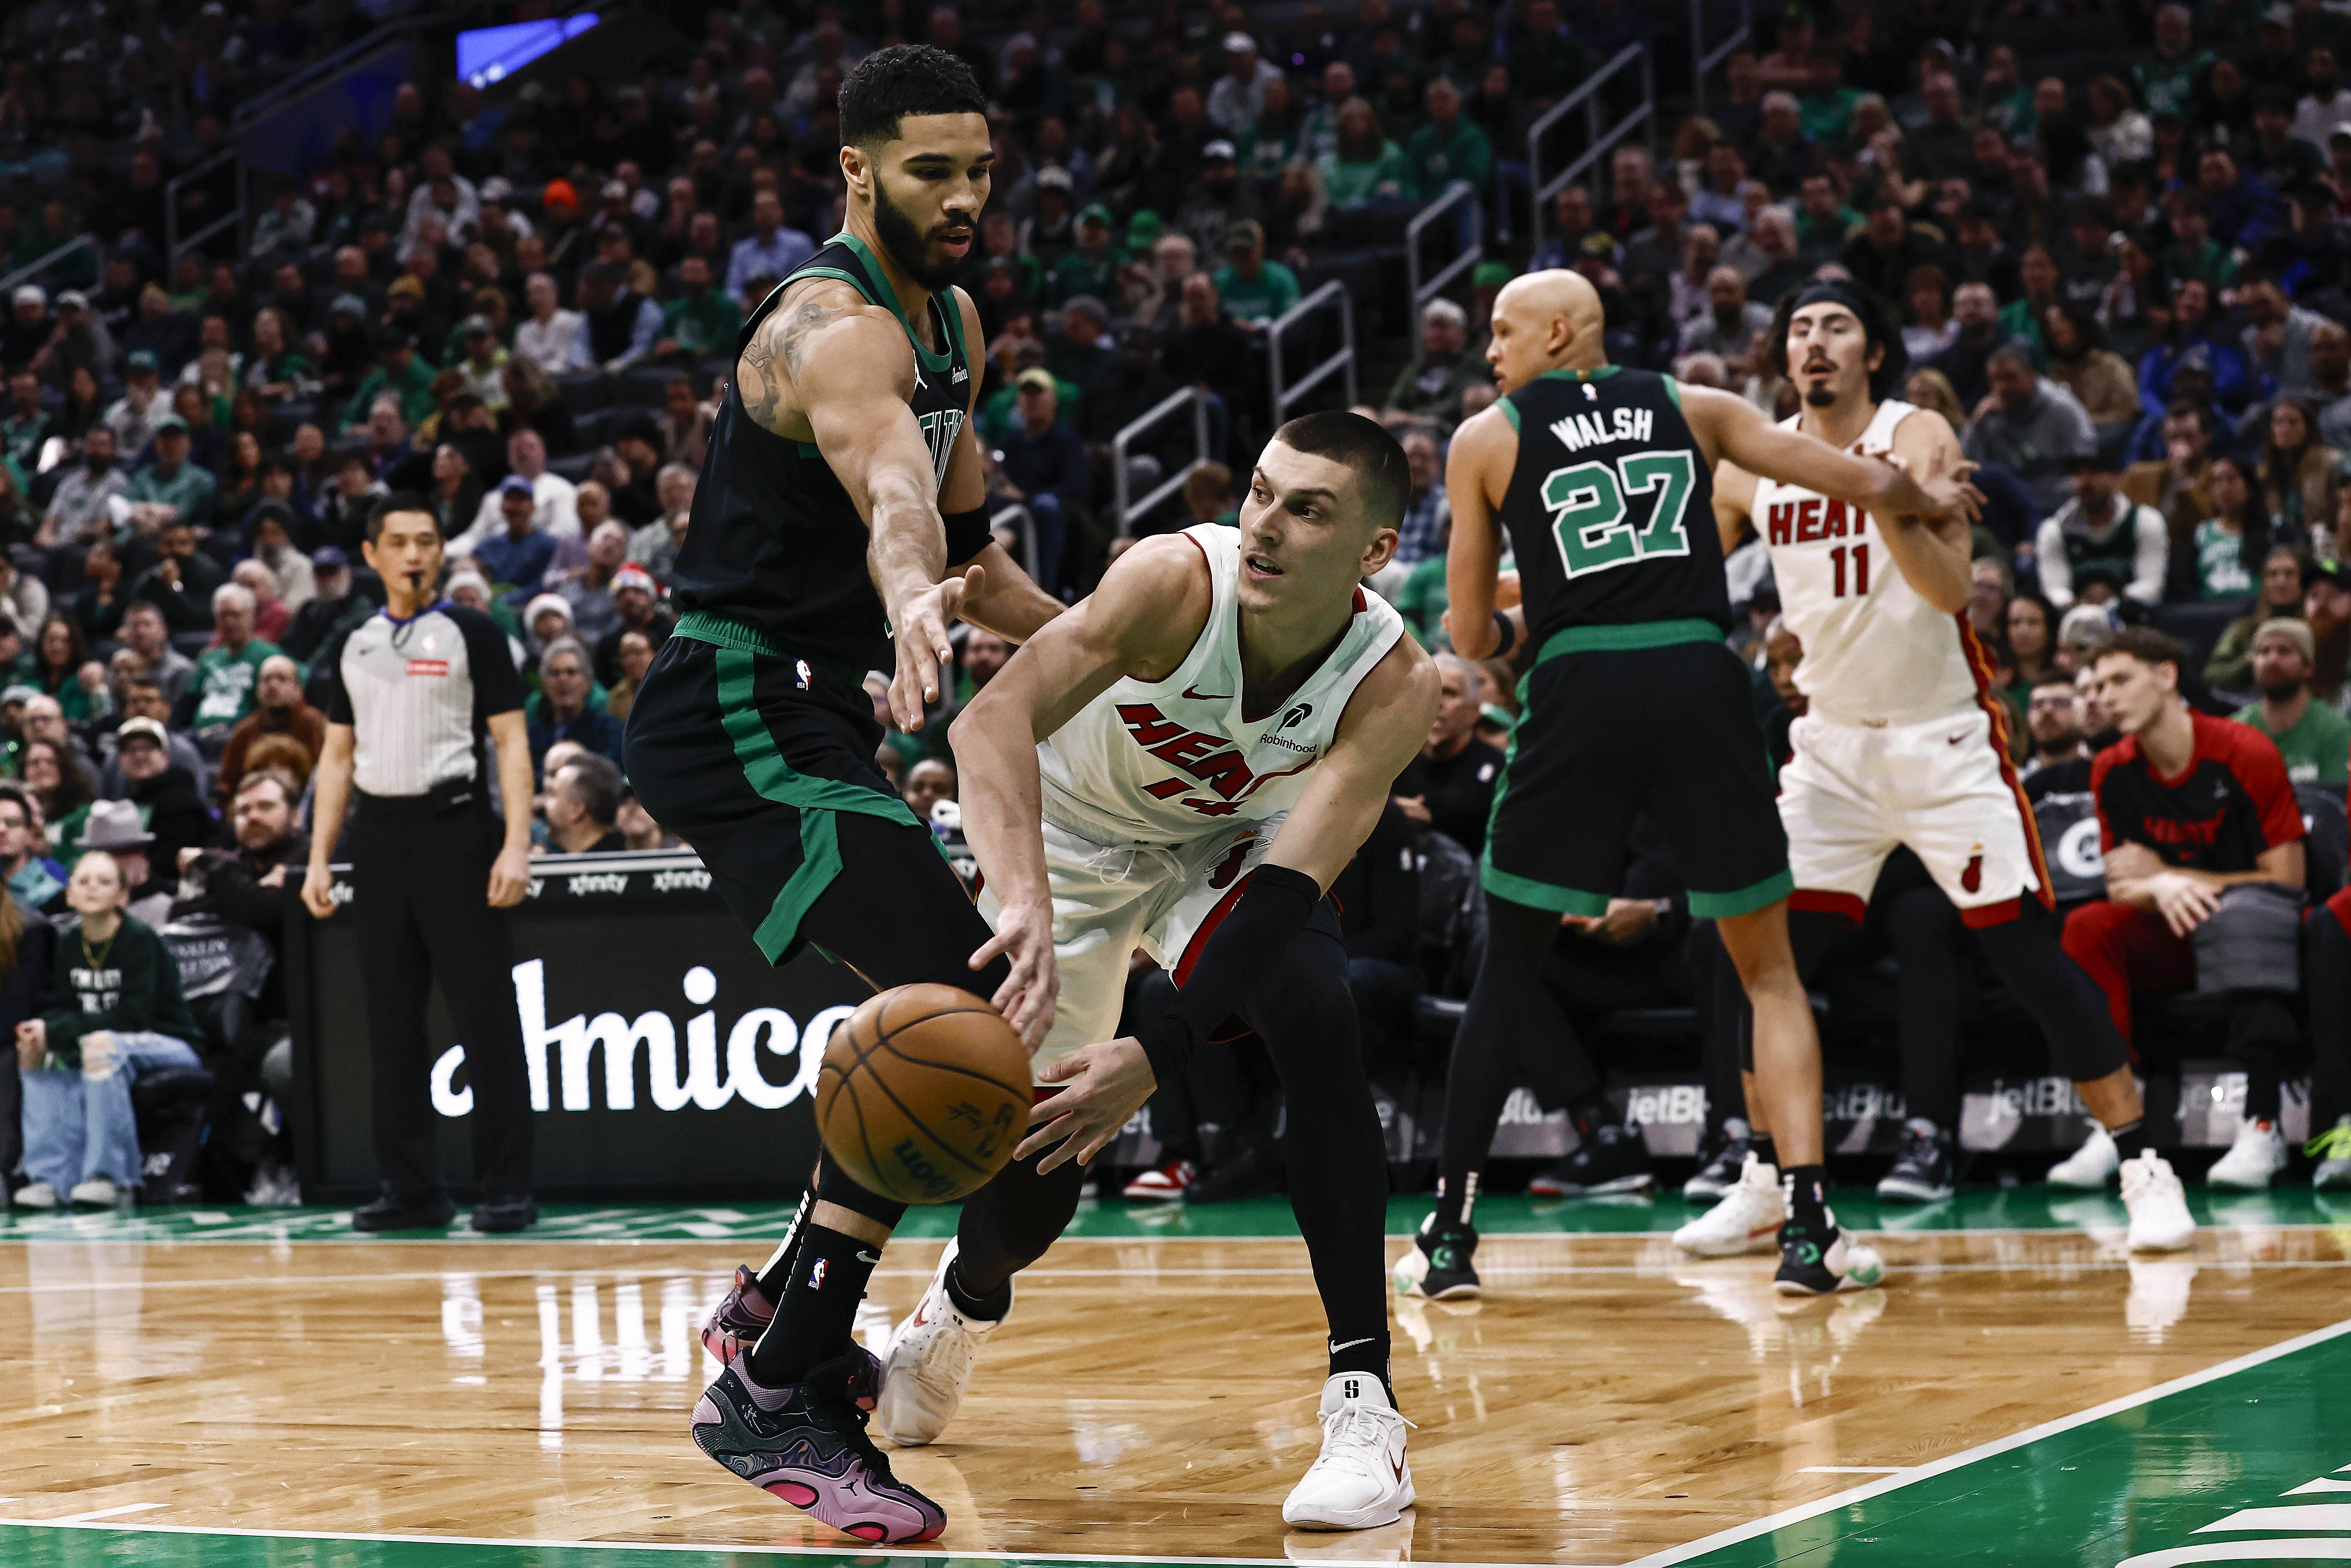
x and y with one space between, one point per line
422 879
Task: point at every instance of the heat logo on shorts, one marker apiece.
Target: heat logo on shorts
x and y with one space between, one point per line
1971 879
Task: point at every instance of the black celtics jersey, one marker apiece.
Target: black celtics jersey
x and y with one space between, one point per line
1610 507
775 542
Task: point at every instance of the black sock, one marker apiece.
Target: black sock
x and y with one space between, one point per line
819 1308
990 1307
2132 1138
1760 1145
1368 1354
1807 1187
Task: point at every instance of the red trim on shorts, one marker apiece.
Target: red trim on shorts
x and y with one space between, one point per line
1215 918
1843 905
1995 707
1990 915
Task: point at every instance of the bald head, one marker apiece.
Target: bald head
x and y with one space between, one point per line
1545 321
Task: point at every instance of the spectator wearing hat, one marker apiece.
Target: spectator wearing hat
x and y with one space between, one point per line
482 360
142 697
1238 98
1044 466
1049 230
1429 386
279 709
171 489
1093 268
113 1011
226 672
337 601
79 508
2100 544
769 251
1256 292
2313 738
162 792
28 327
519 554
701 321
636 602
399 370
81 341
560 232
145 401
555 500
553 338
1217 202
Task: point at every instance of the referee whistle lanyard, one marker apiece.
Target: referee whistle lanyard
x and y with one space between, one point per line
403 625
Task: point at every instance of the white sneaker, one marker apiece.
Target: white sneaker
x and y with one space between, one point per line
2159 1221
929 1362
35 1195
1745 1221
1359 1479
2251 1163
97 1192
2091 1166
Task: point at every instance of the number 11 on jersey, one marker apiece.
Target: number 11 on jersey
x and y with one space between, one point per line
1860 570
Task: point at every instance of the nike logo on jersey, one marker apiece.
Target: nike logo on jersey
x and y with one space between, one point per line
1958 737
1336 1347
1195 697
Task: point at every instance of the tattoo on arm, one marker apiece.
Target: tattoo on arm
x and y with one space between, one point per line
784 335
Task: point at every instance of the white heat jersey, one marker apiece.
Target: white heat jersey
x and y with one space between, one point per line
1169 761
1874 651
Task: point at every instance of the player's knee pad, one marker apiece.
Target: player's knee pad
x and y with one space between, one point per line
833 1185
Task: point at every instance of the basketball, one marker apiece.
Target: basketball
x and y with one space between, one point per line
923 1093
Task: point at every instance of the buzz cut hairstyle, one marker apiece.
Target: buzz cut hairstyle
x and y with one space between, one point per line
1875 332
1364 445
397 501
904 79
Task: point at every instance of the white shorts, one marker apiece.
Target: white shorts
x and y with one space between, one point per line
1852 793
1110 899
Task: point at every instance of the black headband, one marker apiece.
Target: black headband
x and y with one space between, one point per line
1875 326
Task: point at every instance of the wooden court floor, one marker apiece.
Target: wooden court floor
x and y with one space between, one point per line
1152 1398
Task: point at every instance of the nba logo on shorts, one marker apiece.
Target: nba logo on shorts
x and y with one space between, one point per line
801 669
816 1273
1971 879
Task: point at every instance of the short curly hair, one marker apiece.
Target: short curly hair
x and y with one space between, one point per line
905 78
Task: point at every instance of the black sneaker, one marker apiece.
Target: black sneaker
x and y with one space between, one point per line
1437 1267
1821 1261
495 1215
1252 1169
390 1212
1720 1156
1922 1168
1613 1159
813 1453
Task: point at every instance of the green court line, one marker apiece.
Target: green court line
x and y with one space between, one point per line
2013 1209
2152 1473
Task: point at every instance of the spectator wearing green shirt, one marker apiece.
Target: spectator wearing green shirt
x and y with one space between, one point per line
1093 268
2193 252
702 320
2166 82
1366 168
221 691
397 371
1255 291
171 489
1429 386
1449 147
2313 738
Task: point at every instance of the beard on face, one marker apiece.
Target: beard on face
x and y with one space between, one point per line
909 247
2282 691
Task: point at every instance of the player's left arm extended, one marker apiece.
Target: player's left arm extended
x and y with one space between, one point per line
1729 426
1932 551
1382 728
1008 600
1477 473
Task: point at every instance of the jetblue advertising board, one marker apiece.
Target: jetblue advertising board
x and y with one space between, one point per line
666 1057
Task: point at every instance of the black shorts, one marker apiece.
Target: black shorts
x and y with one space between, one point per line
764 765
1604 734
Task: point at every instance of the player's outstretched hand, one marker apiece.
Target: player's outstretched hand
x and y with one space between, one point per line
1954 497
1107 1085
923 648
1033 988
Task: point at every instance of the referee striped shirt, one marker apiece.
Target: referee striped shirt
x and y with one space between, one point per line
418 695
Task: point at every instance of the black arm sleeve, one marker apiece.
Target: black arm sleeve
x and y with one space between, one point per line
968 534
497 686
1255 937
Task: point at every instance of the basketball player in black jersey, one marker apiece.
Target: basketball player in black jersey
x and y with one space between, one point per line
842 499
1604 479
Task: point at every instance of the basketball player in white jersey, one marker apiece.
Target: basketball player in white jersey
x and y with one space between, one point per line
1904 742
1182 763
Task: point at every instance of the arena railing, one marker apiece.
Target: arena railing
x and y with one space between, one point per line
1597 143
1425 290
1331 296
1121 485
1023 523
32 271
1703 59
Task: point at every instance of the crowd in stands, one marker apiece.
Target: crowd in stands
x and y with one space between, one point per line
2126 286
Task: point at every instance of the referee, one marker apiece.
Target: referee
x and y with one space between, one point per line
415 688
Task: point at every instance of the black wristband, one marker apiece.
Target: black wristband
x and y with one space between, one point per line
968 534
1239 954
1507 633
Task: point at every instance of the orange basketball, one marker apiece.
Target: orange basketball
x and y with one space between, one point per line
923 1093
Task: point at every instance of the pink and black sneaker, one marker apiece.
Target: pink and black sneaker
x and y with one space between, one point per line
812 1451
737 1322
